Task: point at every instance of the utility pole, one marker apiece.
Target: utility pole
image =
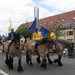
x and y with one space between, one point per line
36 15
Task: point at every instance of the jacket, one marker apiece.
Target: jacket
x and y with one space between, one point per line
53 36
11 35
37 36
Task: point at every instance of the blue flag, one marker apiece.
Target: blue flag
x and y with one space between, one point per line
44 31
33 27
0 37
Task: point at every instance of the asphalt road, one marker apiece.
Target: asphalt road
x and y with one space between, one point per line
68 67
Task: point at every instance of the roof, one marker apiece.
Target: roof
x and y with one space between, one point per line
59 18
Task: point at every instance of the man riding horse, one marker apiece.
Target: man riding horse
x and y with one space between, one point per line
53 36
10 37
37 35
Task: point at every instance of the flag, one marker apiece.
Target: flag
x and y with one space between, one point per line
33 27
44 31
10 26
0 37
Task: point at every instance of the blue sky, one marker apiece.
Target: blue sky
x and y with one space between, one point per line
21 11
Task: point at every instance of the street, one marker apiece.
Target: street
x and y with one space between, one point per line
68 67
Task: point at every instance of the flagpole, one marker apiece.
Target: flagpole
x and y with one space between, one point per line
36 15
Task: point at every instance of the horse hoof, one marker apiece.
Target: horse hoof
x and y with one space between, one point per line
56 60
50 62
7 63
38 60
44 68
31 64
60 64
20 69
11 68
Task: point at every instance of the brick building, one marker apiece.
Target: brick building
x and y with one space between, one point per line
65 20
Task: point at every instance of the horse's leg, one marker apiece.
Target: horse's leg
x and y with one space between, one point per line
59 59
10 62
19 65
28 58
6 61
38 59
49 60
3 49
43 64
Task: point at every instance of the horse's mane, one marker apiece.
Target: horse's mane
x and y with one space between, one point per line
64 42
45 40
16 37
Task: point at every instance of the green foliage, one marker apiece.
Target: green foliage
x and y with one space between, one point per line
24 31
59 31
50 54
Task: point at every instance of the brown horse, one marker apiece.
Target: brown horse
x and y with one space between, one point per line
61 44
42 50
14 50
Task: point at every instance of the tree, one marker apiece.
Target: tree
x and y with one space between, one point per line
59 31
24 30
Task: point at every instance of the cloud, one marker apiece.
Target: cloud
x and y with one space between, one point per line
60 5
21 11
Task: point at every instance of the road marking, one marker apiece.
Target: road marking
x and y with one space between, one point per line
2 72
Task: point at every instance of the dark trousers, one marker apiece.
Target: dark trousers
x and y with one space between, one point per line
36 44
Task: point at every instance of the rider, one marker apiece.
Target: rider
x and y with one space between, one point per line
10 37
37 35
53 36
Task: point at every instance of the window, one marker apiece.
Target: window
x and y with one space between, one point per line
66 25
69 33
62 20
58 21
73 18
50 22
70 40
45 23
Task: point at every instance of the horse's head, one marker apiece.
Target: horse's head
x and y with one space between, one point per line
16 40
71 49
22 39
68 45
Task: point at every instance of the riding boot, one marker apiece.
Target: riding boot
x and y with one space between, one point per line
35 48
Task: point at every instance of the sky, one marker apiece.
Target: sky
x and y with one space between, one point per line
22 11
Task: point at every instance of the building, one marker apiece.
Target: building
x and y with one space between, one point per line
65 20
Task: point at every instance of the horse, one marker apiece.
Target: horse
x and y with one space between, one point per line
42 50
2 39
14 50
22 41
60 45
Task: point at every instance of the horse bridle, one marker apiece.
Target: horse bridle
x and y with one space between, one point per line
17 44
